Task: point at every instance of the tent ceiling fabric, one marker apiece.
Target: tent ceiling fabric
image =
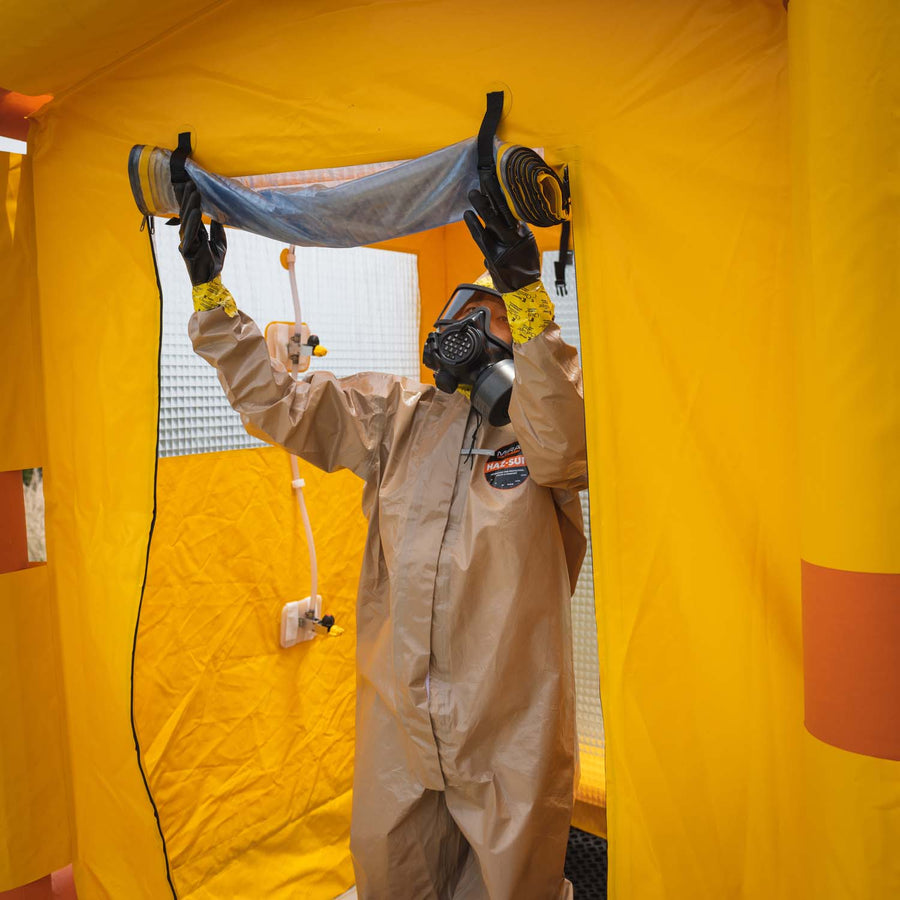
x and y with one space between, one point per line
81 38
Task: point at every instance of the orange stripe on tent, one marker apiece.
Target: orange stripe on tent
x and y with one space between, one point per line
14 110
13 541
851 636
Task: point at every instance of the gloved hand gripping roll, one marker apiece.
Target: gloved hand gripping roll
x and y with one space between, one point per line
511 256
203 254
517 187
467 351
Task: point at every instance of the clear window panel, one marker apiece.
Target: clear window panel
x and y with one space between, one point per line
362 303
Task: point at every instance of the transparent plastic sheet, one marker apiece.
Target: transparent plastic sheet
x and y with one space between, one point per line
349 207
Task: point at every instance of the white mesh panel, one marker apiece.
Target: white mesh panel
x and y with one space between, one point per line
362 303
589 716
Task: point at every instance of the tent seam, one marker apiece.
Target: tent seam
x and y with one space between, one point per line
148 222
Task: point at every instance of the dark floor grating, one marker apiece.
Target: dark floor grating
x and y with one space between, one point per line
586 865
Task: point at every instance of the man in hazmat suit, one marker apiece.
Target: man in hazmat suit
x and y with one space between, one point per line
465 737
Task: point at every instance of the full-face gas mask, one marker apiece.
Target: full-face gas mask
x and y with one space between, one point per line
464 352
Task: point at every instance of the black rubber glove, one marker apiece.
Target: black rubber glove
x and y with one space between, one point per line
510 250
204 255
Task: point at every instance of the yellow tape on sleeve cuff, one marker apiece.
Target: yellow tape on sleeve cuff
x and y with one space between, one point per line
529 310
213 294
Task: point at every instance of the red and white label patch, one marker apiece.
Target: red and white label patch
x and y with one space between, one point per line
506 468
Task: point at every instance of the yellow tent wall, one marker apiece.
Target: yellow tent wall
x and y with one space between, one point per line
247 748
34 807
846 131
674 118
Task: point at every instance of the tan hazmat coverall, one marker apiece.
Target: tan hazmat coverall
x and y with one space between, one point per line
465 732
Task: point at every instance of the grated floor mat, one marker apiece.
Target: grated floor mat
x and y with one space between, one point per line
586 865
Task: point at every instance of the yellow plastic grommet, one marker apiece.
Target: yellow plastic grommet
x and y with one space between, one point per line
319 350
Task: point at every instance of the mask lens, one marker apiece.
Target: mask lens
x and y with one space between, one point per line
464 295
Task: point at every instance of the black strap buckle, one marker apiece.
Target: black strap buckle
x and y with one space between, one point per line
177 172
488 181
565 256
